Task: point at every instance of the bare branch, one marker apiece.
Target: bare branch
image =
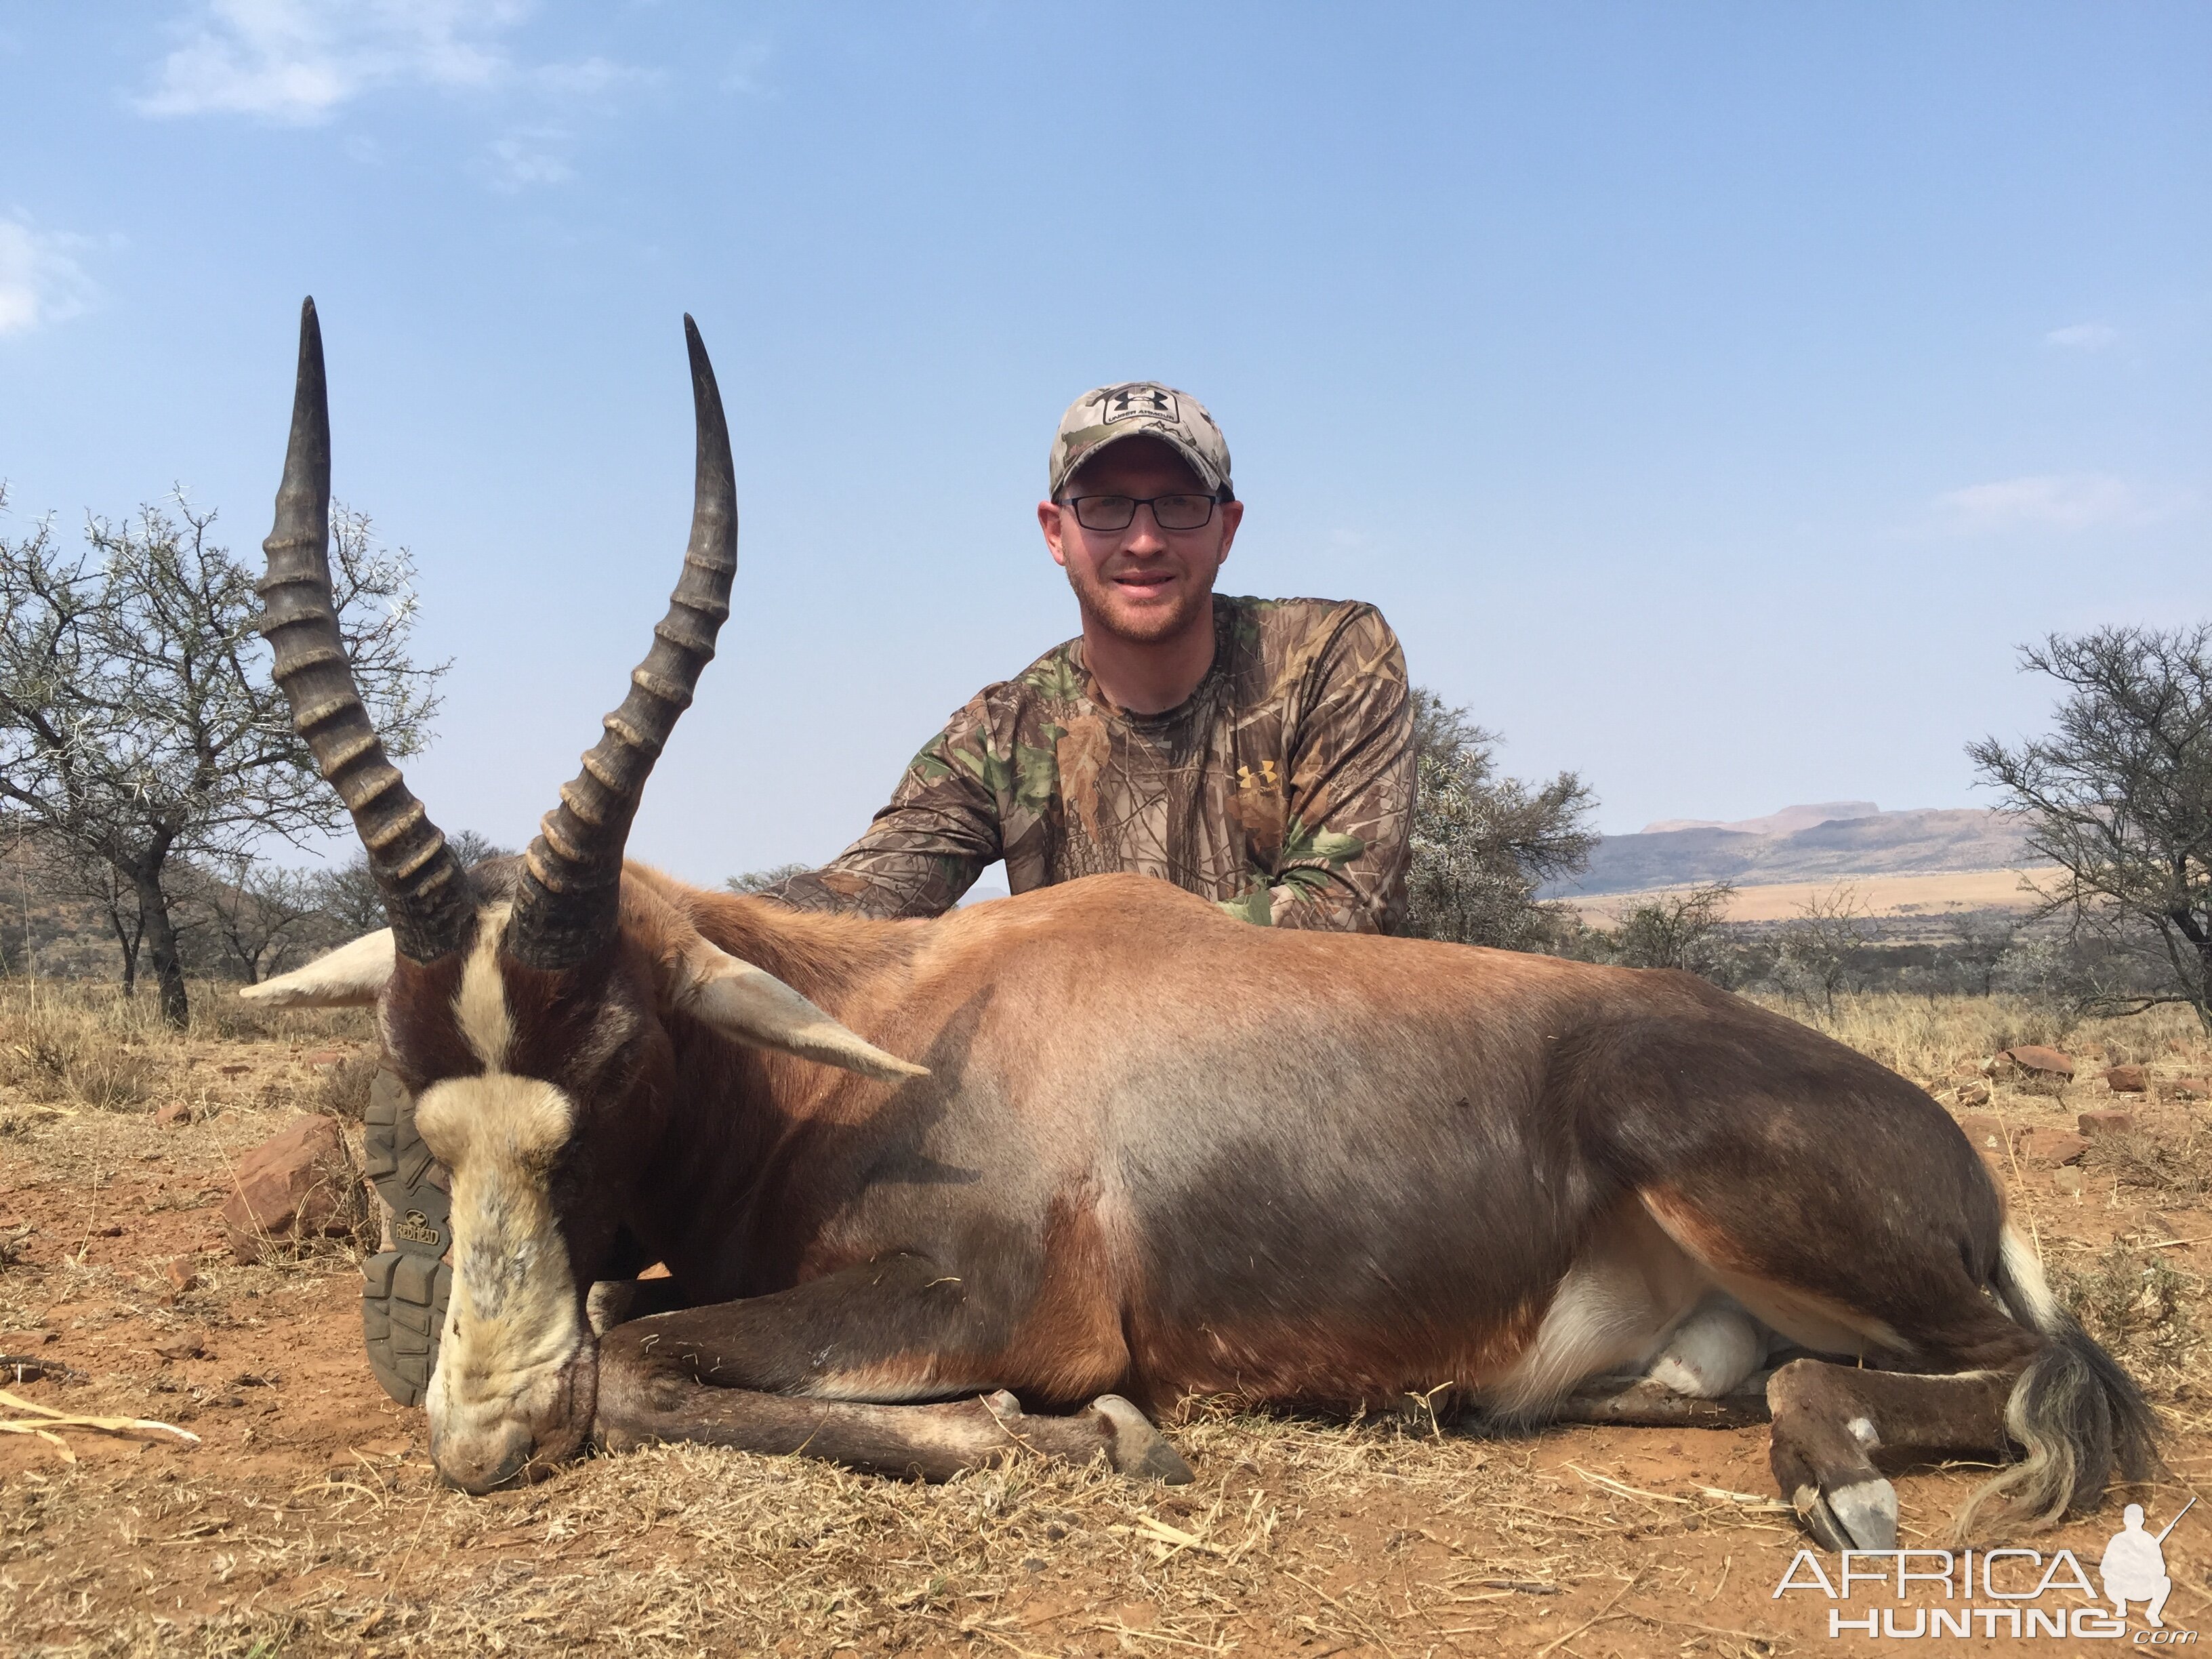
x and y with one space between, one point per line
2119 795
139 729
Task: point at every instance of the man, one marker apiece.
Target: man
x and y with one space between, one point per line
1256 752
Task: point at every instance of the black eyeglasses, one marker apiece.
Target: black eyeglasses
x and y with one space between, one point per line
1181 511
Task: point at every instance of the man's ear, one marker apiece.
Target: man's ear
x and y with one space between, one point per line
1048 520
1232 515
351 976
751 1006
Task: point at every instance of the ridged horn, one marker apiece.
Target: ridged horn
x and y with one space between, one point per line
566 909
426 891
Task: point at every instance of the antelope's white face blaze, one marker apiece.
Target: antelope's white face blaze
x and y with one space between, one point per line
517 1380
517 1375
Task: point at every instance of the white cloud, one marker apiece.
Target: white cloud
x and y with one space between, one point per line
589 77
2060 502
747 72
300 60
2083 337
40 280
529 156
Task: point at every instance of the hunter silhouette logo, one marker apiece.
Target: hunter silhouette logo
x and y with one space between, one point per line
2133 1567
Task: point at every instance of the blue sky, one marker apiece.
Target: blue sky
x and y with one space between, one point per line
1712 396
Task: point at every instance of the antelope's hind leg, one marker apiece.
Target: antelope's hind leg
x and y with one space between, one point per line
1923 1362
1831 1421
839 1369
1705 1375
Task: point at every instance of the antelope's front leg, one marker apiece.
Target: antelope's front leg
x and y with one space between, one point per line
824 1369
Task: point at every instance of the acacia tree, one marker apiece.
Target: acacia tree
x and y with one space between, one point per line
2119 797
348 894
1676 930
73 894
95 882
1820 946
1484 844
259 913
351 903
1979 942
138 725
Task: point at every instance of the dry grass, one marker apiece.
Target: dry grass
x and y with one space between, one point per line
1929 1038
342 1090
2137 1304
73 1044
2175 1170
1309 1538
309 1523
69 1045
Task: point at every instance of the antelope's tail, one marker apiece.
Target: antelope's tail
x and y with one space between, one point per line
2075 1415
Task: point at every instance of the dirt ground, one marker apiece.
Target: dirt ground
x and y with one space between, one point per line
307 1519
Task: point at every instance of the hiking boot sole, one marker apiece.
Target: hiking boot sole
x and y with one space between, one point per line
405 1290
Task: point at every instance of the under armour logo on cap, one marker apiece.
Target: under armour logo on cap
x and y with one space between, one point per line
1108 414
1127 403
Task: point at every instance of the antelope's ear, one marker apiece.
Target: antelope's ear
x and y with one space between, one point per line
751 1006
348 978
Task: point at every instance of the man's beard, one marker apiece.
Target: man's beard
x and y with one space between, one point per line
1104 603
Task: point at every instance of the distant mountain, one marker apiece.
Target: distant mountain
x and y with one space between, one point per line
1802 843
1786 822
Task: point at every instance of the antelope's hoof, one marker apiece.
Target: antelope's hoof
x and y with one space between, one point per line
1861 1516
1867 1509
1135 1448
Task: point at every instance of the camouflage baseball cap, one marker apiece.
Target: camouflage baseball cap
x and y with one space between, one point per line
1139 409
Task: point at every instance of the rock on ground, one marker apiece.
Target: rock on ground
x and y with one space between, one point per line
299 1184
1987 1131
2039 1062
2046 1146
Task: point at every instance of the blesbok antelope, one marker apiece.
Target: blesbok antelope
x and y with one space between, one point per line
1139 1150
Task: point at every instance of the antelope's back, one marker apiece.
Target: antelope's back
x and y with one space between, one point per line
1388 1144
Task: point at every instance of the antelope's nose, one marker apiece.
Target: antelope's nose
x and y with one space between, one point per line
487 1463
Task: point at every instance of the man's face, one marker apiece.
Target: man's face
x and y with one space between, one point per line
1143 584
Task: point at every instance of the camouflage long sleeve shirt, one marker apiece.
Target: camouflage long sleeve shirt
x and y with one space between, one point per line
1282 788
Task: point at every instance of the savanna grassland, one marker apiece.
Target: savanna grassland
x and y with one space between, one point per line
307 1518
